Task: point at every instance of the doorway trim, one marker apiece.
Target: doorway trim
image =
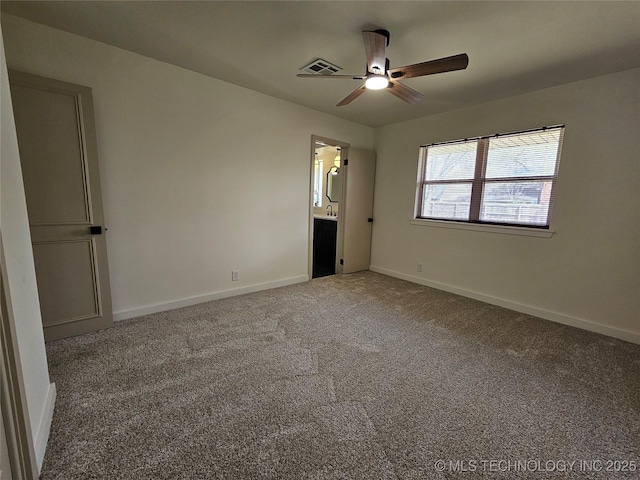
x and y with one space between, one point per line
13 406
344 151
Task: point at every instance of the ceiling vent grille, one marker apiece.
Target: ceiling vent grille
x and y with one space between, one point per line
321 67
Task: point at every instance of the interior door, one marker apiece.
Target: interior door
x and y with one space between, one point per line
357 209
58 153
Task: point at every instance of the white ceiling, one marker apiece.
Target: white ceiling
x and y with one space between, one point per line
513 47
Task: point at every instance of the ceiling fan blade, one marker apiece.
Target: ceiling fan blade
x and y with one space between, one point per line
375 45
343 77
405 93
441 65
352 96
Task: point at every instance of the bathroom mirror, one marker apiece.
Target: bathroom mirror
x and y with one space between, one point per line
333 184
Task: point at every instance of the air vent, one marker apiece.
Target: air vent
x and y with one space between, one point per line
321 67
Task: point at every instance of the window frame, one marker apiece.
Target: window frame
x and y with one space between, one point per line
478 184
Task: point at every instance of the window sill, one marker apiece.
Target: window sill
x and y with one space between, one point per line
523 231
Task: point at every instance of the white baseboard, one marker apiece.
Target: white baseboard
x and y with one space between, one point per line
185 302
44 428
619 333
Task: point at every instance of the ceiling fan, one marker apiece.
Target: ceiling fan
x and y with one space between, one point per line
379 76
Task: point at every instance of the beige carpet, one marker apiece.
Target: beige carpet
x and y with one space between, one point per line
353 377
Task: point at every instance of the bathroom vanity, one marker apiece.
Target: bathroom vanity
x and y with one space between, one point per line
325 229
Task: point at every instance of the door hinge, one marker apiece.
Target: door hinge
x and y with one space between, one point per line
342 261
370 220
346 161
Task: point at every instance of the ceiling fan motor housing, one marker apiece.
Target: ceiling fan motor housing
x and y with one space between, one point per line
384 33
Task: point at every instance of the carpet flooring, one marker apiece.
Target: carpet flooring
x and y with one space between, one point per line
359 376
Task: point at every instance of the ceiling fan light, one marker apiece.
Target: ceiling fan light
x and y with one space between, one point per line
376 82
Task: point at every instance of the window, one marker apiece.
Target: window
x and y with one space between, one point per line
317 181
505 179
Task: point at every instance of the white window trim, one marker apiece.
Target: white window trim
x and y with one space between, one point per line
484 227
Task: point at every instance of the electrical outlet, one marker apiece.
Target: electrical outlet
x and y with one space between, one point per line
419 267
235 275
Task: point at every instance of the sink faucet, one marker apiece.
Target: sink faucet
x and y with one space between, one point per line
330 208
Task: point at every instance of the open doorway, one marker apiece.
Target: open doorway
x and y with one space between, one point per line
327 181
340 207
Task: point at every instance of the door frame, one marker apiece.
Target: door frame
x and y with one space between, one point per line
344 151
13 406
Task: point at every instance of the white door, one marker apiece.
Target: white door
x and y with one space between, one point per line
59 158
356 210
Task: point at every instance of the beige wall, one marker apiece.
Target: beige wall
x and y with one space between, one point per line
200 177
19 274
588 273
